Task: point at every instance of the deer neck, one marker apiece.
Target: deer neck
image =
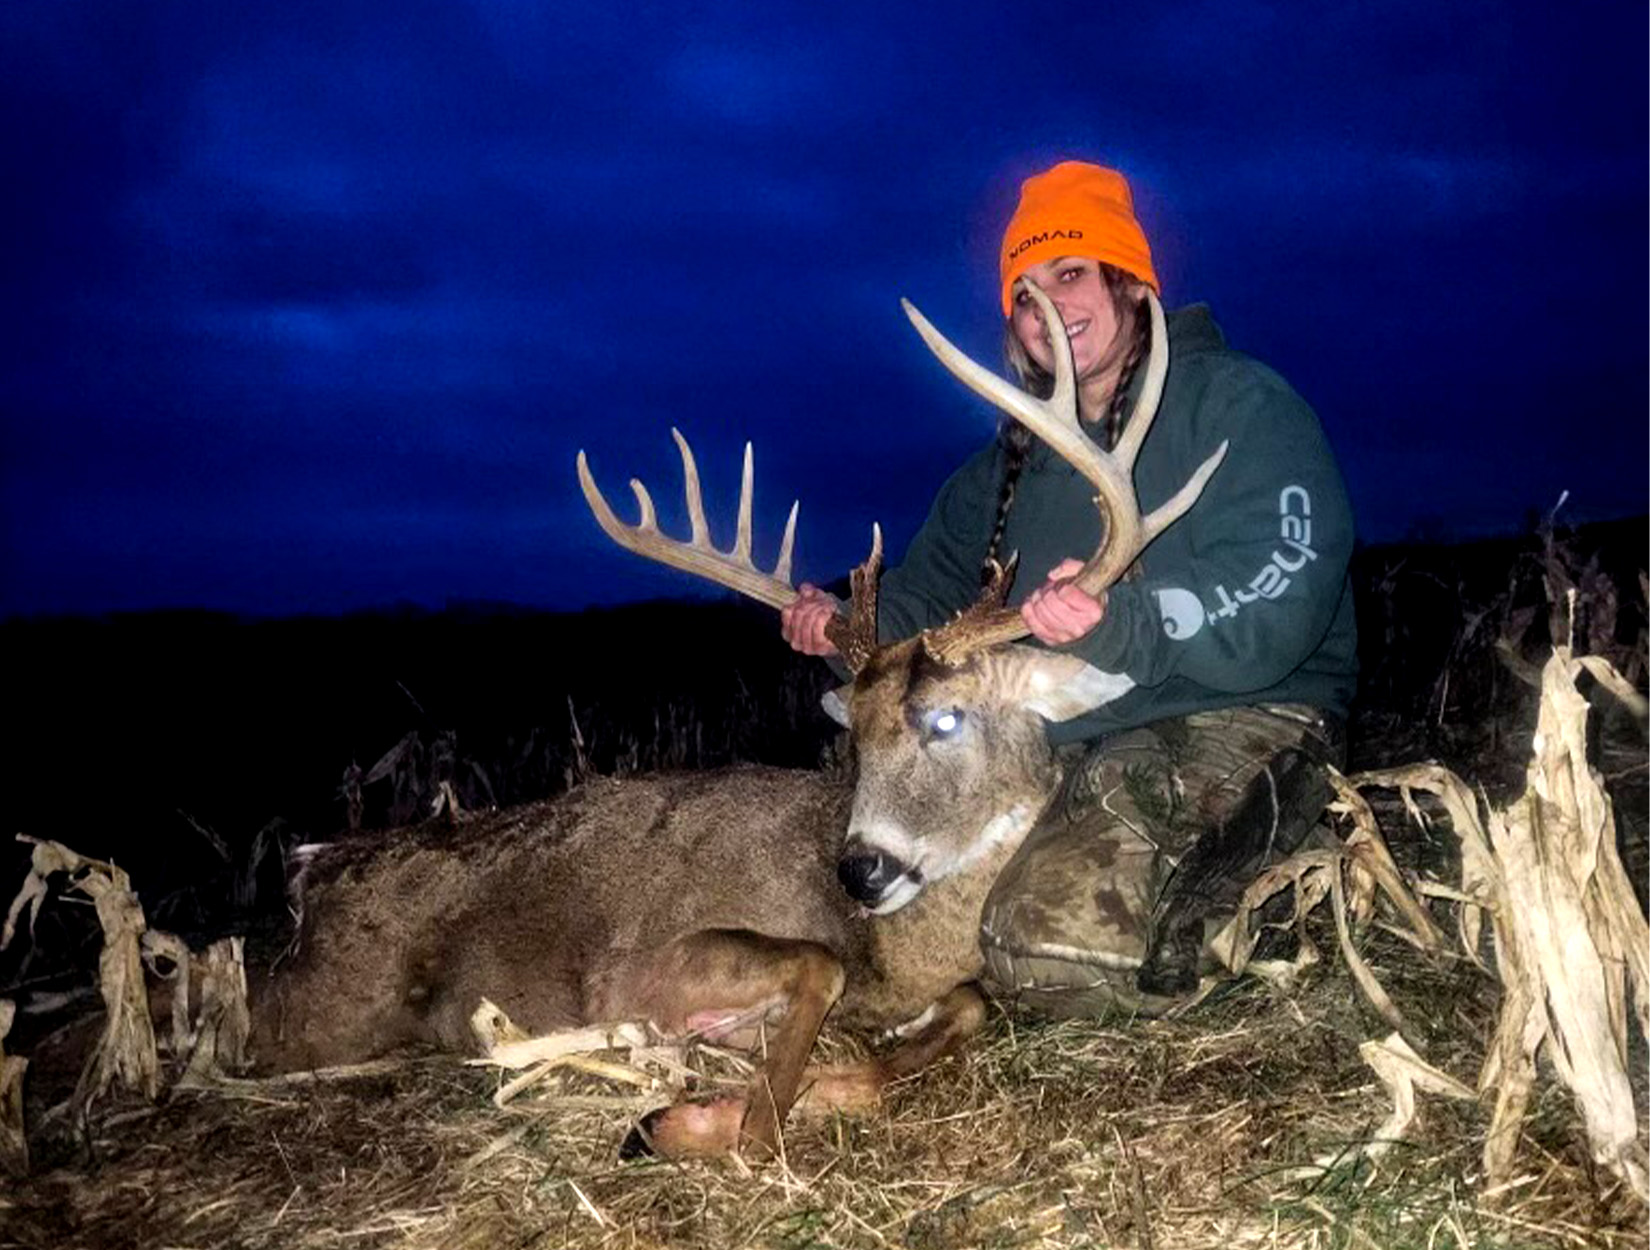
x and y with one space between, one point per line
930 947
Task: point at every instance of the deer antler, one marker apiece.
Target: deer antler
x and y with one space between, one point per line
854 636
1125 533
732 569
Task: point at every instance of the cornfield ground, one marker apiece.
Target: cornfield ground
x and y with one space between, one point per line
1245 1121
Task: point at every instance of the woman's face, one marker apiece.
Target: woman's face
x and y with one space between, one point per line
1085 304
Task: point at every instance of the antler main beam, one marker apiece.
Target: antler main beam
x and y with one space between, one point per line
1125 533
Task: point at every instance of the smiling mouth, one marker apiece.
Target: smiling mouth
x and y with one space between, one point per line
1072 331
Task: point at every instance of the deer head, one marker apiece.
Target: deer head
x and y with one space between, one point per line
948 726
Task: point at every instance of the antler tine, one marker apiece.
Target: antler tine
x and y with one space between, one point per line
782 566
1040 415
742 534
732 569
690 488
1055 420
1151 390
742 539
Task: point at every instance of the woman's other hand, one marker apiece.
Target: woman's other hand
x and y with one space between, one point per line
803 623
1059 611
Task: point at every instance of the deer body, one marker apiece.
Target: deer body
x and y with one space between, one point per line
706 903
539 908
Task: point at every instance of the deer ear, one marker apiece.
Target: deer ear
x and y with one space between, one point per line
835 703
1059 687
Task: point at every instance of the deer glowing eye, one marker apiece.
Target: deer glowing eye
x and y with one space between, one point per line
943 724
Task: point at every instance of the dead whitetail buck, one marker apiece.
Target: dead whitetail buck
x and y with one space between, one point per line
720 903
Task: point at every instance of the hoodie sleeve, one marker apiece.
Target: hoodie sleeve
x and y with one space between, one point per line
1248 581
940 574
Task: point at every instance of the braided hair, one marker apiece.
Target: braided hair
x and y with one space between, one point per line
1016 440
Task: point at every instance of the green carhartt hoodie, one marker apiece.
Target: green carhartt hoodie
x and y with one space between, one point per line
1244 600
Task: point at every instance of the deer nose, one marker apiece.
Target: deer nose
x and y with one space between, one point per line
867 877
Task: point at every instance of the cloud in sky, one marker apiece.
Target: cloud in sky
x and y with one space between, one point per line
314 302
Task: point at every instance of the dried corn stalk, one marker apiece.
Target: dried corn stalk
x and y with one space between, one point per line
44 860
1402 1071
14 1142
156 947
1573 935
1352 877
224 1028
508 1046
1572 946
209 1041
126 1050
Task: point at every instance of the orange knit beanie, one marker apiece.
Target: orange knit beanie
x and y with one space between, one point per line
1074 209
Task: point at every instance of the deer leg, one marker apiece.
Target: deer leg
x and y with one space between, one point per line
945 1026
730 975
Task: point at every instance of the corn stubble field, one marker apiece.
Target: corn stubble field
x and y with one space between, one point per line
192 751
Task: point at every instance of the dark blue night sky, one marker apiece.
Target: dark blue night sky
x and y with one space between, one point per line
310 305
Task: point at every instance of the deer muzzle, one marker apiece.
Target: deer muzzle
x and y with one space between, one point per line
877 879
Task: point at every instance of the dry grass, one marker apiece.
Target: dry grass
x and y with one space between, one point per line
1198 1131
1251 1120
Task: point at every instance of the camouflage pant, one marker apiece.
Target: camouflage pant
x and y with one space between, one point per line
1145 852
